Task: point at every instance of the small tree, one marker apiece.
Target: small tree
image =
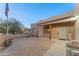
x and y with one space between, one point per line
14 26
2 25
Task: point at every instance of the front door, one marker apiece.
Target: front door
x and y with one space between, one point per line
55 32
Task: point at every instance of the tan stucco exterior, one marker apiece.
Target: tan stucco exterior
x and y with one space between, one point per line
62 27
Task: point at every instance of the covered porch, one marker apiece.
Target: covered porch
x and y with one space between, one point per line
62 29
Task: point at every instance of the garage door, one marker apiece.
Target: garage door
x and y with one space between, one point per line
63 33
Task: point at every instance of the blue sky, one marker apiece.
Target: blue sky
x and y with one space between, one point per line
29 13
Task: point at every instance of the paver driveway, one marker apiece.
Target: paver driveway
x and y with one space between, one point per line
28 47
35 47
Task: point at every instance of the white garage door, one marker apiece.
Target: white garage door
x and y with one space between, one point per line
62 33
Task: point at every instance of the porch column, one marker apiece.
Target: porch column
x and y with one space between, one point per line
50 32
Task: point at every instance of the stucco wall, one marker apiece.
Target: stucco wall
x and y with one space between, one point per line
2 38
34 30
76 12
10 36
40 31
77 29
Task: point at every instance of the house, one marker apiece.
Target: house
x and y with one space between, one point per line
65 27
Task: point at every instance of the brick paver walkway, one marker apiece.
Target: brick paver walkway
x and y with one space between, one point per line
28 47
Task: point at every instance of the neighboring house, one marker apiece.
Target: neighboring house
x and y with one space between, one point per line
25 30
64 26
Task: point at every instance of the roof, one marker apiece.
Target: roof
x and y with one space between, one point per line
56 18
59 17
61 21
